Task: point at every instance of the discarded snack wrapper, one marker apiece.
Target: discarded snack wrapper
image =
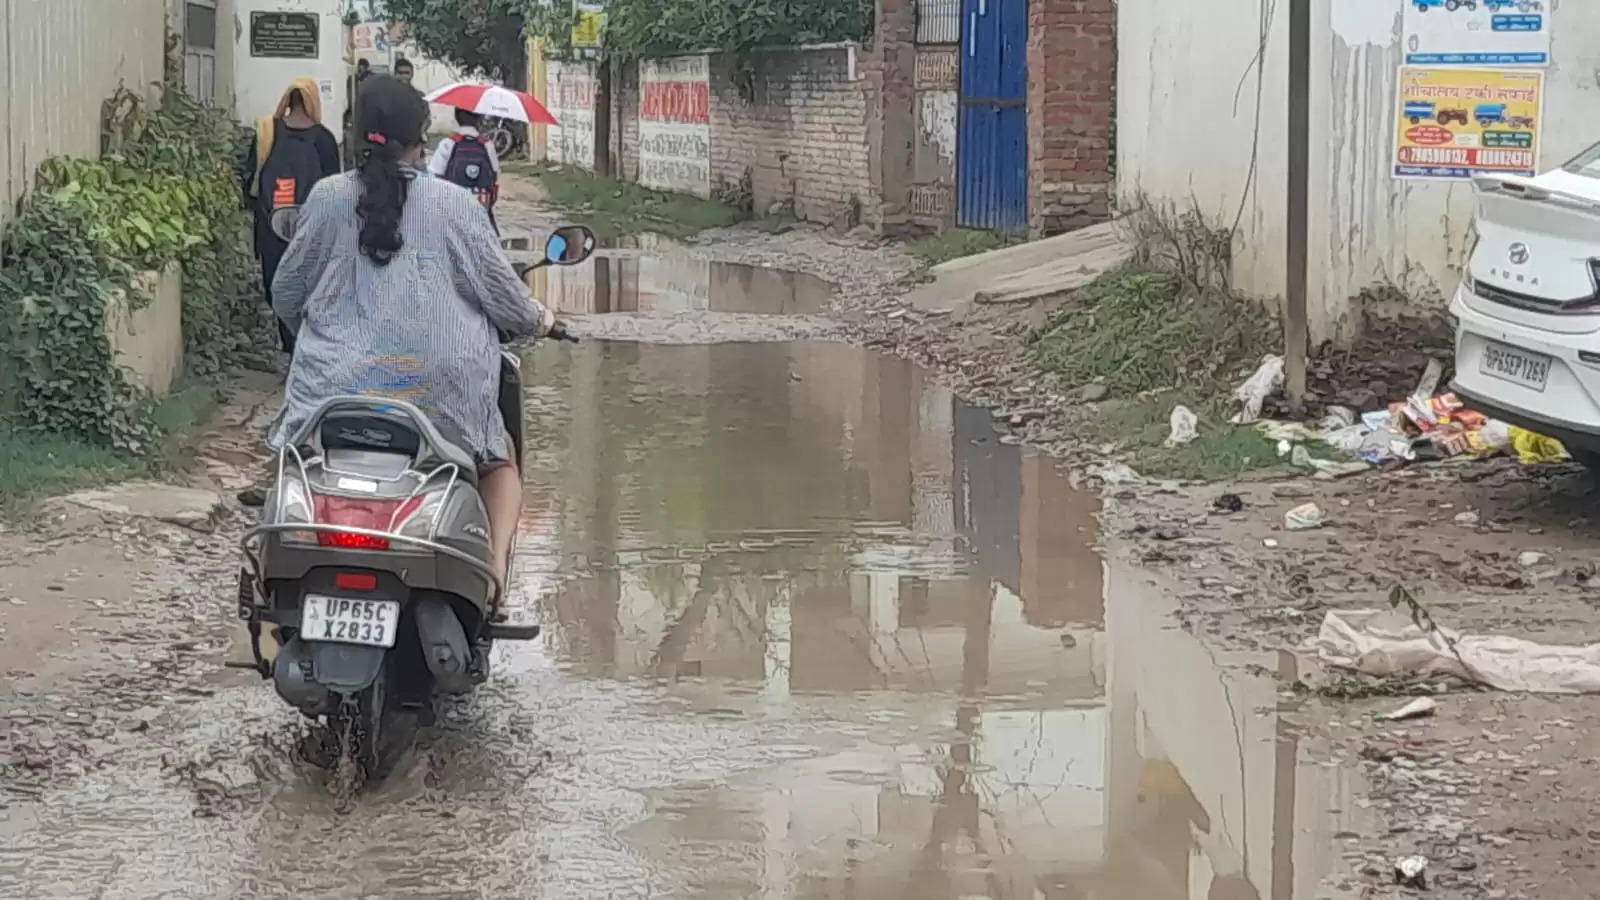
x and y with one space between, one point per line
1427 413
1304 517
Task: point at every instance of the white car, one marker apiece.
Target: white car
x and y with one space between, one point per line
1528 310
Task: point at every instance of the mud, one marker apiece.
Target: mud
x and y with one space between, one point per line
813 630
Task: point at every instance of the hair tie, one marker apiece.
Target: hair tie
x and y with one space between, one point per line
377 138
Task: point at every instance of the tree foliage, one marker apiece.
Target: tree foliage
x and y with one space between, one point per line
485 36
639 28
479 37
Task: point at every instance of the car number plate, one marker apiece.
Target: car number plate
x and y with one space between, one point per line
346 620
1516 366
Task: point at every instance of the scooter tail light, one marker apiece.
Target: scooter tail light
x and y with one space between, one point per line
369 513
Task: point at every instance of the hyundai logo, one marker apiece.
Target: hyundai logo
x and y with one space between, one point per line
1519 253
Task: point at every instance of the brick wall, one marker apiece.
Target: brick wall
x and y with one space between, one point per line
1072 54
797 121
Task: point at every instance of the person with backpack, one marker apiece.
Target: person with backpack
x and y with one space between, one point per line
291 152
467 158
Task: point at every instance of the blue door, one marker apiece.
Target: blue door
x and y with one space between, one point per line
992 146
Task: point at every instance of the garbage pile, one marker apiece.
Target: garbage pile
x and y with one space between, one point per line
1429 425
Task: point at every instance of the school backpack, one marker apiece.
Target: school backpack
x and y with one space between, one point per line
471 168
291 169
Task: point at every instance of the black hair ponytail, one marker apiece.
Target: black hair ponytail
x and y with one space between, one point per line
392 118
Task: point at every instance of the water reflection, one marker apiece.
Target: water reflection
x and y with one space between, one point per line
678 284
796 523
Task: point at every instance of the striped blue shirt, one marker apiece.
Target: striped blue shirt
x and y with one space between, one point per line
422 328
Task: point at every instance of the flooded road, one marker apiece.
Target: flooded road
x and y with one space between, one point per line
811 631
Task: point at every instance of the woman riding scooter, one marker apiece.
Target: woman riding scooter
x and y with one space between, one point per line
396 286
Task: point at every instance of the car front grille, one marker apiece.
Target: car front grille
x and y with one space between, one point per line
1589 305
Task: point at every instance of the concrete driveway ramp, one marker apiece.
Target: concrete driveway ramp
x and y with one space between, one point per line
188 507
1024 272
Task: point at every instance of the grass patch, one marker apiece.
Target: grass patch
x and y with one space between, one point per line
947 245
616 209
1141 331
1220 452
35 466
1156 341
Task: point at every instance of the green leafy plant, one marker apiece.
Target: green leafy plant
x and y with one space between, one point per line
163 193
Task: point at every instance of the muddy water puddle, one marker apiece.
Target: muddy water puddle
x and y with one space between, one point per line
812 631
677 284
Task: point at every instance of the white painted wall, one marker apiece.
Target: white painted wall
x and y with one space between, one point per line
1186 127
571 87
259 82
58 61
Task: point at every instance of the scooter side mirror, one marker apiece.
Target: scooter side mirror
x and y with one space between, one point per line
569 245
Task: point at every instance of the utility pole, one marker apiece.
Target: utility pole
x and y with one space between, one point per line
1297 227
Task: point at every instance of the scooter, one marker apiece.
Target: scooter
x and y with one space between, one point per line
368 588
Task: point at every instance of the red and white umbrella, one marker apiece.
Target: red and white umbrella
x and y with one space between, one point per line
494 100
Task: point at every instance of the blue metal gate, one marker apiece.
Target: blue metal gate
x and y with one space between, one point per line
992 146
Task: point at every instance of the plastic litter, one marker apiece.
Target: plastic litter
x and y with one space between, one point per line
1185 426
1386 643
1114 474
1266 381
1412 872
1228 503
1469 519
1530 558
1420 708
1326 469
1348 438
1305 517
1532 449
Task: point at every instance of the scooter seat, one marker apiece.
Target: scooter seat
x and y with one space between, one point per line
387 427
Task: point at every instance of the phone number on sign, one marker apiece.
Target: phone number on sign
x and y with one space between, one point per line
1468 157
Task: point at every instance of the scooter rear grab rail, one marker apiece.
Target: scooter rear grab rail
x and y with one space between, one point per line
247 545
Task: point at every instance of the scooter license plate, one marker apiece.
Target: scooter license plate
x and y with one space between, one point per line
345 620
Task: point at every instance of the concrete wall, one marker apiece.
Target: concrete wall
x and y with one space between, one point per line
572 87
148 342
58 60
933 159
1188 125
260 81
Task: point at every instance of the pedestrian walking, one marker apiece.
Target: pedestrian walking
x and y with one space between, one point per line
291 152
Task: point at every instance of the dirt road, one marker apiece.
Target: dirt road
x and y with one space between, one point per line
815 628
